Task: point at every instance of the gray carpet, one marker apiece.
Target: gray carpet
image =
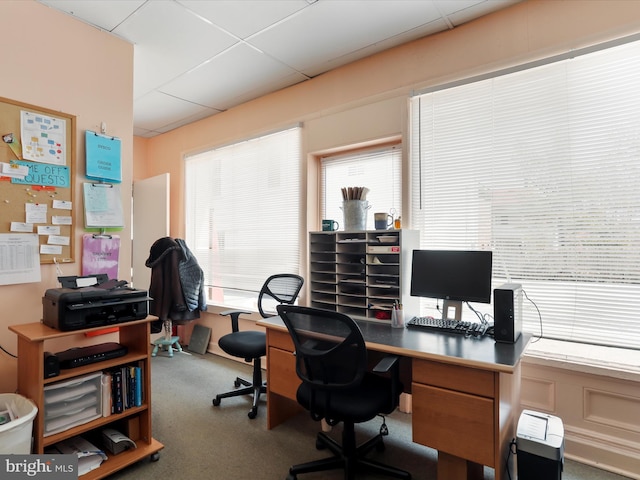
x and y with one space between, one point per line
202 441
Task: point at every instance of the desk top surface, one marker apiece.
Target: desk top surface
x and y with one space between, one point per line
484 352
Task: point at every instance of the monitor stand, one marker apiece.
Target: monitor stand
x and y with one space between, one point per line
454 305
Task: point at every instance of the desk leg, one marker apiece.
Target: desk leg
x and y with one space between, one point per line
456 468
279 409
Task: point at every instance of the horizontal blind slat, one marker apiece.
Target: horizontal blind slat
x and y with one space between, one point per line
242 211
541 166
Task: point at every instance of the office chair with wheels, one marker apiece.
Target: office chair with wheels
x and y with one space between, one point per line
252 345
331 361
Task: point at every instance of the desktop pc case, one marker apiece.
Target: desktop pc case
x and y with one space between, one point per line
507 312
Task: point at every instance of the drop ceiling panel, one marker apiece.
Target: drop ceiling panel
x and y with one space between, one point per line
228 76
328 30
169 40
244 18
433 27
155 110
105 14
472 9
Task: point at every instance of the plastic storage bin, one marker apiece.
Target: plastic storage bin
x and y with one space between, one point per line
72 402
15 435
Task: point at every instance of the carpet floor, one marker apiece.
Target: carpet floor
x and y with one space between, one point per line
206 442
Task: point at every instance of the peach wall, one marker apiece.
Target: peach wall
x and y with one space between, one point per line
335 107
140 158
56 62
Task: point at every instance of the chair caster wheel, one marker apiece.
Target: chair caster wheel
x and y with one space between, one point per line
320 444
236 383
253 413
216 402
292 476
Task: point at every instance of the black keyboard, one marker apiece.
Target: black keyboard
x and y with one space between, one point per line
448 326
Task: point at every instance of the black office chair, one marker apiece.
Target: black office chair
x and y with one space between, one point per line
252 345
331 361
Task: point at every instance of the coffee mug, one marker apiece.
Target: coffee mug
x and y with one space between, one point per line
382 220
330 225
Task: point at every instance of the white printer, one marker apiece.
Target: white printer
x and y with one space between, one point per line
540 446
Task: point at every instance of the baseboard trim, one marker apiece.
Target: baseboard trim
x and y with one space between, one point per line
605 452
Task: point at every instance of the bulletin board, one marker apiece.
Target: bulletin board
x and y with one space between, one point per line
49 183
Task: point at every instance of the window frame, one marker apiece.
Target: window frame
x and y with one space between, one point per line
533 322
229 283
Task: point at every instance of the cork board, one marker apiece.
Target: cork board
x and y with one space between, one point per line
37 176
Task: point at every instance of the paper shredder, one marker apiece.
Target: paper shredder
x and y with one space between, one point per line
539 446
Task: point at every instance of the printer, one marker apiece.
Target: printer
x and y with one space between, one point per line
94 306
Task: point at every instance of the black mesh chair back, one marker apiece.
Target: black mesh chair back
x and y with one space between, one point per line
331 361
278 289
330 354
251 345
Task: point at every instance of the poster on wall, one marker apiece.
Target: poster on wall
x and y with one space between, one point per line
102 205
100 254
103 157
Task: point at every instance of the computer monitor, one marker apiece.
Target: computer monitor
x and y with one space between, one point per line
452 275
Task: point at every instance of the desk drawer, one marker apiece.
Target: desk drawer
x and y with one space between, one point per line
454 377
453 422
285 381
280 340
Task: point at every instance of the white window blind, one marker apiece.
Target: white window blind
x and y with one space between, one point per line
542 166
242 210
379 170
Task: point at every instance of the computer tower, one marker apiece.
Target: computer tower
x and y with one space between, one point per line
507 312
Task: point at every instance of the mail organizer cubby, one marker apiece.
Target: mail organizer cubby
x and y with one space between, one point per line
362 273
71 403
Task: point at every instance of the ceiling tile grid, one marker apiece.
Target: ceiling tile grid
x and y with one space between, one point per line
197 58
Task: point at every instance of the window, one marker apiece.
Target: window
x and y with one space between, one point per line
242 214
378 169
541 166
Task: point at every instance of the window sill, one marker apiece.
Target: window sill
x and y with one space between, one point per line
579 357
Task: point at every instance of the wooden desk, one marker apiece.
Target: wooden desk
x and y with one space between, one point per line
465 392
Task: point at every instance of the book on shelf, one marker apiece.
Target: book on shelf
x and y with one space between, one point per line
138 387
123 388
106 394
117 392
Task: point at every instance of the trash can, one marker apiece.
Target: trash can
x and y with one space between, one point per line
539 446
16 423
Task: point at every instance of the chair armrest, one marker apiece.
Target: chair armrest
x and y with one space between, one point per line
386 364
229 312
234 314
391 364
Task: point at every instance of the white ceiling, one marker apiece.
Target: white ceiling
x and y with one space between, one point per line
197 58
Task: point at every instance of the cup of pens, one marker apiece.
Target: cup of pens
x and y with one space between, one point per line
355 207
397 316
